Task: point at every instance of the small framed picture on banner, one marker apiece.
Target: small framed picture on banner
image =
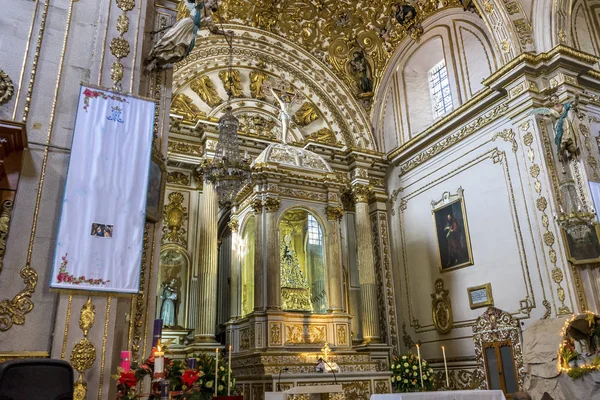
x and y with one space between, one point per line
156 189
480 296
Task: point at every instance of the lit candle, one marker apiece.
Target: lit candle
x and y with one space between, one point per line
126 360
229 373
159 361
216 369
158 323
420 367
446 367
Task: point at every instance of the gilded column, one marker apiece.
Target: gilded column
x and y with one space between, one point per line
234 288
259 303
207 257
366 266
334 266
273 259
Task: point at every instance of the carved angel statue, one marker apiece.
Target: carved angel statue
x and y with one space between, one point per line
565 134
287 99
179 40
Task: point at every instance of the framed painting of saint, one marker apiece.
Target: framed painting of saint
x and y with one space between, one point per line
583 243
156 189
452 231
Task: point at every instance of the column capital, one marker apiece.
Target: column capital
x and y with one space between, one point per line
234 224
361 192
272 204
334 213
257 205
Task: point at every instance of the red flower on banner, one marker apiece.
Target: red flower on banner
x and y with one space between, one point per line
128 379
93 94
64 276
189 377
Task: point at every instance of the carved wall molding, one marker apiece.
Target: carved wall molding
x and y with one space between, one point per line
119 46
175 217
441 308
176 146
178 178
83 354
7 88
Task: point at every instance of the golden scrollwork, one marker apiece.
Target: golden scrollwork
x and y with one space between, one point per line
234 225
174 146
323 135
236 84
205 88
116 71
342 335
257 206
361 193
305 334
178 178
441 308
79 389
123 23
119 47
14 311
126 5
5 213
257 79
306 114
138 318
87 317
183 105
275 338
271 204
6 88
334 213
175 216
83 354
509 136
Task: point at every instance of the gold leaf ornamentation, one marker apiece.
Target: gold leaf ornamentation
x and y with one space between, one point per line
541 203
178 178
87 317
116 71
548 238
126 5
83 355
534 170
323 135
204 88
119 47
123 24
184 148
6 88
271 204
236 84
334 213
5 213
175 216
257 80
342 335
306 114
79 389
275 334
234 225
361 193
557 275
14 311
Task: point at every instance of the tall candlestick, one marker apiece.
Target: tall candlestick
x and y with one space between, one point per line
420 367
126 360
446 367
216 369
158 324
229 373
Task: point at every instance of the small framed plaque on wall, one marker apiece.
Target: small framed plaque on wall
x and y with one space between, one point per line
480 296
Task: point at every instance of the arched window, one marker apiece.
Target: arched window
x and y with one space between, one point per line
302 262
247 266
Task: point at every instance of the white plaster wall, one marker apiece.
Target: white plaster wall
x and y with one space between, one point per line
585 35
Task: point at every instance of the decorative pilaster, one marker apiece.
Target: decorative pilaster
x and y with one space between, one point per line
366 265
234 302
334 267
259 304
207 274
273 258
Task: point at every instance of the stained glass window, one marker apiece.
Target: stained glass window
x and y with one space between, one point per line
439 87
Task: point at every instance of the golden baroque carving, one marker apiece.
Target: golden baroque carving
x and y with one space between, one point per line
5 213
306 114
122 23
361 193
441 308
234 225
509 136
275 334
272 204
119 47
183 105
83 354
323 135
175 216
126 5
138 319
257 206
87 316
305 334
6 88
184 148
334 213
342 335
116 71
235 85
454 138
204 88
178 178
257 79
14 311
79 389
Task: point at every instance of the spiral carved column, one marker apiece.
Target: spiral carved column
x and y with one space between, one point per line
366 266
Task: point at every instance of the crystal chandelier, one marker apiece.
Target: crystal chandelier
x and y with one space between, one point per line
228 171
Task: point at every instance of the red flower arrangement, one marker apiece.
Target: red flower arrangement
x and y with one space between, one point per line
127 379
93 94
64 276
190 376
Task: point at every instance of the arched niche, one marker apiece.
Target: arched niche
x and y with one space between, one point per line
174 270
302 261
403 106
585 23
246 253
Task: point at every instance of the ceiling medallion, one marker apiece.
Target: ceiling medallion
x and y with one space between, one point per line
6 88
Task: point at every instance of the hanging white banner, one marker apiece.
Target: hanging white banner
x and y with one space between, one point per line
101 228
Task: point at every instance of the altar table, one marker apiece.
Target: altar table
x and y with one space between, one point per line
451 395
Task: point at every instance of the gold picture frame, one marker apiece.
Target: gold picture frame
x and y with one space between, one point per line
157 179
480 296
586 250
450 218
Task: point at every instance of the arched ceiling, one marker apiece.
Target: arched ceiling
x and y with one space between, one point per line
328 112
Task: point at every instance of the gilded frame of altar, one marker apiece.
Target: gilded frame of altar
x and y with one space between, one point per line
577 256
450 210
157 180
483 292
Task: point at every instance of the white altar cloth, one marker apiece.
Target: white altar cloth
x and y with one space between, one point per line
451 395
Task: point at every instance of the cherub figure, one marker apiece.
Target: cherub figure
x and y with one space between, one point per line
565 134
360 66
179 40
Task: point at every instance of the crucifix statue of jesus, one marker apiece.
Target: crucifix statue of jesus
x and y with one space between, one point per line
287 97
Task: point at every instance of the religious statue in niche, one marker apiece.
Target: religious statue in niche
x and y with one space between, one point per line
441 308
363 72
565 131
179 39
168 296
295 293
452 231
